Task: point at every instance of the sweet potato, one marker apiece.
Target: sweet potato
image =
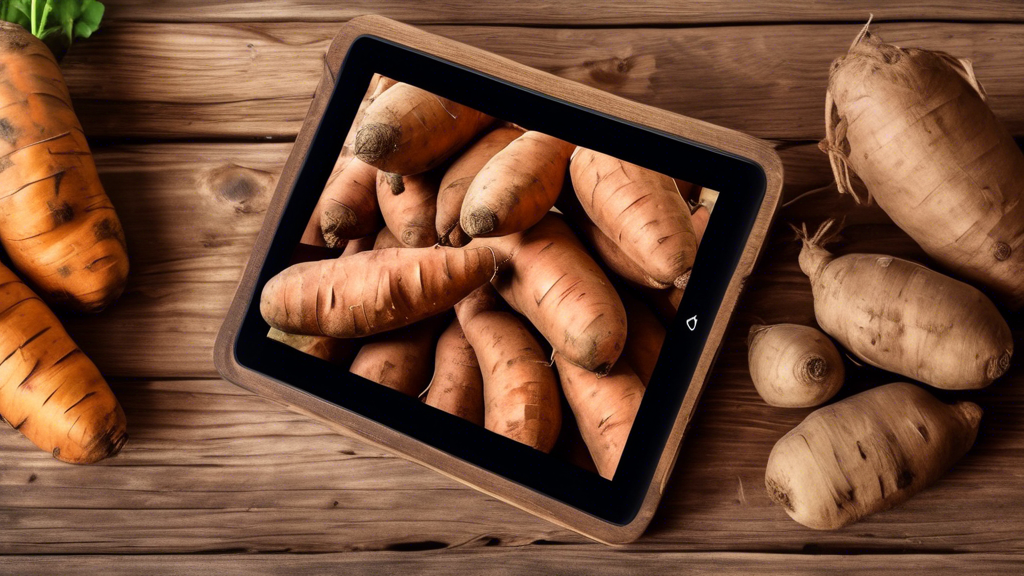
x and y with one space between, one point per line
793 366
520 390
867 453
348 205
554 282
56 222
646 336
407 130
902 317
457 179
640 210
373 291
49 390
916 127
402 359
410 214
517 187
605 408
385 239
457 386
334 350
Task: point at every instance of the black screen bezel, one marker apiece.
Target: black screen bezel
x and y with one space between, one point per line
740 182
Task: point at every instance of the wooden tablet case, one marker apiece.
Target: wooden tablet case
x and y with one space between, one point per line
727 140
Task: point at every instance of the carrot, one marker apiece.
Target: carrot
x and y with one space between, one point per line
867 453
56 222
902 317
516 187
520 390
400 360
457 386
793 366
646 336
916 127
554 282
457 179
348 205
49 390
409 214
407 130
640 210
374 291
605 408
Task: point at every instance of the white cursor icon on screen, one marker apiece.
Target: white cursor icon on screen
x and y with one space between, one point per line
691 323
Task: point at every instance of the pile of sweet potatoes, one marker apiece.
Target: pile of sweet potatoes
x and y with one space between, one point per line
496 272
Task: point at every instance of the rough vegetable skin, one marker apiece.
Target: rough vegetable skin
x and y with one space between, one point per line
605 408
407 130
793 366
916 127
640 210
644 341
521 399
401 360
348 205
409 214
457 179
49 390
373 291
517 186
56 222
867 453
553 281
457 386
902 317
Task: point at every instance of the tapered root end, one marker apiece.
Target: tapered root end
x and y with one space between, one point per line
970 413
395 182
998 366
376 141
479 222
335 223
778 494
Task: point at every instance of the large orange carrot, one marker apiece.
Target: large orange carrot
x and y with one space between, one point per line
56 222
520 390
640 210
457 179
554 282
373 291
49 390
408 130
516 187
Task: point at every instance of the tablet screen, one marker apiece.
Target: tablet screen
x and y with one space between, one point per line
592 256
585 342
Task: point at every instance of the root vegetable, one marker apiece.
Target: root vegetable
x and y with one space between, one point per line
521 398
407 130
916 127
373 291
517 187
646 336
605 408
385 239
554 282
348 205
457 386
793 366
640 210
457 179
56 222
867 453
410 214
49 390
401 360
334 350
902 317
700 218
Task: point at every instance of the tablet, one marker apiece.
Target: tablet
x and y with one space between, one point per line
728 182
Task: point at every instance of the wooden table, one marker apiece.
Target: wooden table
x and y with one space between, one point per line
192 106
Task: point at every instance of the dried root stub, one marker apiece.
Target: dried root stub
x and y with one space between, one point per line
899 316
867 453
793 366
915 126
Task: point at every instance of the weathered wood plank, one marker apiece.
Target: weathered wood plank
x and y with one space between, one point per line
256 80
490 562
568 14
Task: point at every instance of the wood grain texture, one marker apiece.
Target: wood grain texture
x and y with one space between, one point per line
564 14
256 80
569 560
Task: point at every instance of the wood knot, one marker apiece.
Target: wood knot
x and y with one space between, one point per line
1001 251
237 185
